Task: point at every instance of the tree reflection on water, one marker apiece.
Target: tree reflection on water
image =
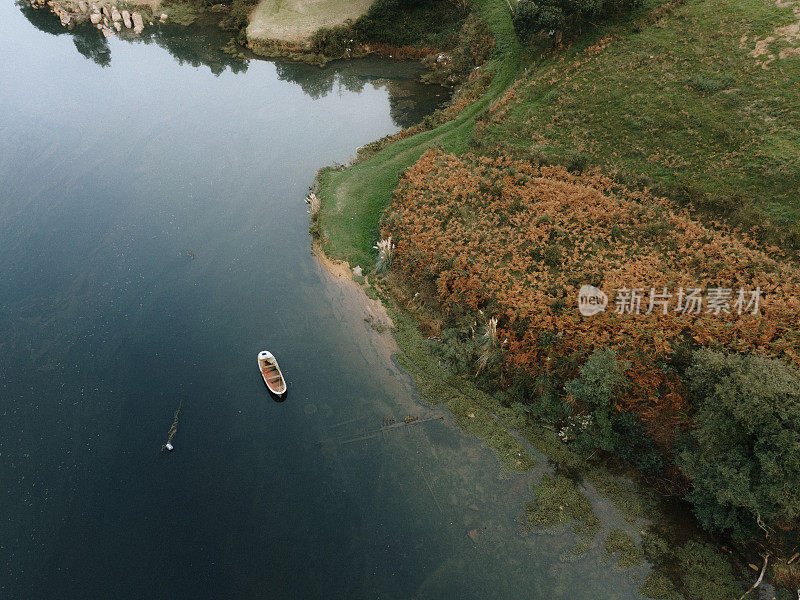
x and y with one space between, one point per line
204 45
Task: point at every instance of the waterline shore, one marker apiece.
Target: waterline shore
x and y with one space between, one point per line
353 202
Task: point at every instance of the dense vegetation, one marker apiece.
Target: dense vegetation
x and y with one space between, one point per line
506 239
743 451
533 17
416 29
696 100
691 105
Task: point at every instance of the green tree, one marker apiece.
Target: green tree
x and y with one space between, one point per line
535 16
601 378
743 451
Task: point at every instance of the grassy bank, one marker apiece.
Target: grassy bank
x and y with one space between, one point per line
697 99
354 199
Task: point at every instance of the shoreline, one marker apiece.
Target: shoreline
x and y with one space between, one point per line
472 409
127 19
353 200
110 18
593 489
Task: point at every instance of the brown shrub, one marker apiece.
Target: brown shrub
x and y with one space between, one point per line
518 240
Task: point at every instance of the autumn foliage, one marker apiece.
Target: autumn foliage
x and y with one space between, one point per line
517 241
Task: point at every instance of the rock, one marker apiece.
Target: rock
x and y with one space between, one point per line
138 23
95 18
105 22
117 25
107 33
163 17
106 12
115 16
357 271
126 18
82 6
475 533
64 17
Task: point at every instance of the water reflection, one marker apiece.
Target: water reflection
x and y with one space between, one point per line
204 45
87 39
407 102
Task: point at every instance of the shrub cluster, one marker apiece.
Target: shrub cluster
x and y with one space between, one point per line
743 449
397 24
410 22
493 237
533 17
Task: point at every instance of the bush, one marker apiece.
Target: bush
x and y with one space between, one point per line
743 451
409 22
474 44
239 13
332 41
601 378
554 16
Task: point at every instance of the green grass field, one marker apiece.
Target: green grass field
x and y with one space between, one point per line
691 98
296 20
354 199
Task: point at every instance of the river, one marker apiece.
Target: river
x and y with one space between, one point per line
153 238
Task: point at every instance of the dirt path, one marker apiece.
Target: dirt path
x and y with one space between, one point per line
296 20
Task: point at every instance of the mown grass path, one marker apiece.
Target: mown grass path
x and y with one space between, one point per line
353 199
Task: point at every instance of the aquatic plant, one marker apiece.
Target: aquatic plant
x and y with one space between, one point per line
619 543
558 500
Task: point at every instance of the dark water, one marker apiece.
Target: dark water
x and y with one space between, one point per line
153 239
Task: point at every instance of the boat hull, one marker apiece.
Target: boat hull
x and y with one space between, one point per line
271 374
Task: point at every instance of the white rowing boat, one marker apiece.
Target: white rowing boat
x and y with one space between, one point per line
271 373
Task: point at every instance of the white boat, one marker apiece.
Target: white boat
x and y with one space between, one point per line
271 373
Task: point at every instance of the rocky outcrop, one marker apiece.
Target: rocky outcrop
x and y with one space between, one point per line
138 22
105 16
